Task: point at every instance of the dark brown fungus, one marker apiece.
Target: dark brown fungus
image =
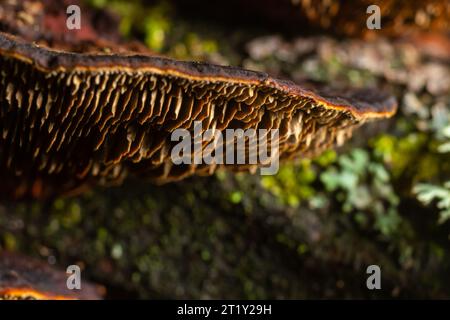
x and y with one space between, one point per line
67 119
24 278
398 17
44 23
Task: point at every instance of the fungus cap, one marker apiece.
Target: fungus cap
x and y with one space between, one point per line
70 118
24 278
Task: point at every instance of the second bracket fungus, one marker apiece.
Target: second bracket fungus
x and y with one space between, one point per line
24 278
345 18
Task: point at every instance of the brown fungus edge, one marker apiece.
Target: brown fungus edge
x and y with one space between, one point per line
50 61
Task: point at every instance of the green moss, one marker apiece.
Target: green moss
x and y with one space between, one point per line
292 183
236 197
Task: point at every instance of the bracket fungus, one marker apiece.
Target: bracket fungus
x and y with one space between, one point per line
24 278
70 119
345 18
44 22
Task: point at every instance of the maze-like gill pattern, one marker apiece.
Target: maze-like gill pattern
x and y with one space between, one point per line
64 124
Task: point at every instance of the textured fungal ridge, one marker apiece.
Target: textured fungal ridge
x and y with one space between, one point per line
71 119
